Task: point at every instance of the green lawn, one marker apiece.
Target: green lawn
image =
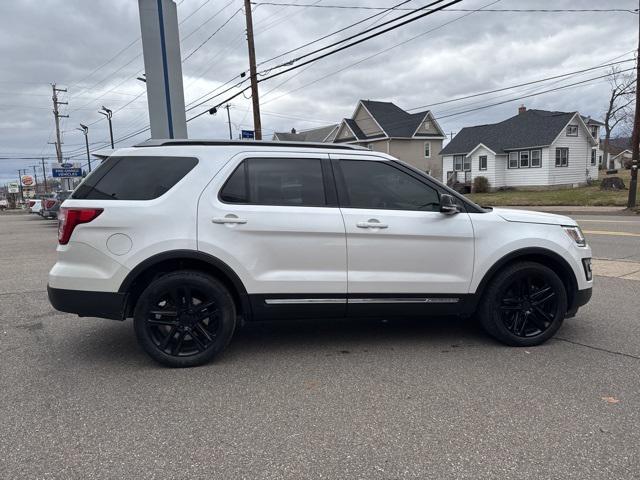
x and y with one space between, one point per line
583 196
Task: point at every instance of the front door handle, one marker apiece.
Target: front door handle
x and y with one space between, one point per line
371 223
229 219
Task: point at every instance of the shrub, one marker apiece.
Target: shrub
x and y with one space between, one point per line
480 185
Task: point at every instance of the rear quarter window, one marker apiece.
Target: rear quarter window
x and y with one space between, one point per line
134 178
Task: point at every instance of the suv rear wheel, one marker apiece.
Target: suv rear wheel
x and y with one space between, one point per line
184 319
524 305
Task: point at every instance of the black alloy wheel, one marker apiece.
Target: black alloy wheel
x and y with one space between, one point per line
184 319
524 305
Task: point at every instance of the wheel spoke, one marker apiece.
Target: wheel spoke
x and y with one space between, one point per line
201 346
539 293
510 308
188 299
178 345
540 323
543 314
167 339
543 300
164 313
159 321
204 332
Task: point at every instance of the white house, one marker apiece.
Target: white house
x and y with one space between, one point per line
535 148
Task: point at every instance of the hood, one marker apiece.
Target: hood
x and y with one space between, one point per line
528 216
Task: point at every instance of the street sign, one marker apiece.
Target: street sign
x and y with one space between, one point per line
248 134
13 187
66 170
27 181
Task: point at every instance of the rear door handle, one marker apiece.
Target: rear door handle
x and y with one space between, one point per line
229 219
372 223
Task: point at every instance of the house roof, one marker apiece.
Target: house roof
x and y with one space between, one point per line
532 128
355 129
393 120
312 135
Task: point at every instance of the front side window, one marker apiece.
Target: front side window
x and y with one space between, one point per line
562 157
458 162
572 130
482 160
466 164
593 156
524 159
536 158
380 185
594 131
427 149
513 159
276 181
134 178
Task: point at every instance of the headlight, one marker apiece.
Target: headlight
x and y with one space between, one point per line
576 234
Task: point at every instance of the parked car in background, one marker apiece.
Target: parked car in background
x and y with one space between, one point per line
4 204
52 205
35 205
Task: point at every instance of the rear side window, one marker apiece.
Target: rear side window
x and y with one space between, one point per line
276 181
134 178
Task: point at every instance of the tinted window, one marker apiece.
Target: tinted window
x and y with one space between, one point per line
276 181
134 178
379 185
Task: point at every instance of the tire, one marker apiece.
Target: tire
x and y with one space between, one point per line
184 319
524 305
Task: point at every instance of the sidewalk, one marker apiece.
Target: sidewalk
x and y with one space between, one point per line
576 210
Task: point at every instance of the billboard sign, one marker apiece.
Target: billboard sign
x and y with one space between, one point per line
13 187
66 170
27 181
248 134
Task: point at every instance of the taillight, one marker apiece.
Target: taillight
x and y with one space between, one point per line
70 218
49 204
31 203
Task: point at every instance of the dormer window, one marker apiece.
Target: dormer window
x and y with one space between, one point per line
572 130
594 131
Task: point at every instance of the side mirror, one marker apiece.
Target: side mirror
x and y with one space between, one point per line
448 205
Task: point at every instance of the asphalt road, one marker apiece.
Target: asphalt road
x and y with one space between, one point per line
333 400
608 243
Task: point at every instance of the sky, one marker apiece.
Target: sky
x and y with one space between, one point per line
92 49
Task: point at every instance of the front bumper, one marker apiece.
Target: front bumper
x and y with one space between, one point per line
84 303
580 298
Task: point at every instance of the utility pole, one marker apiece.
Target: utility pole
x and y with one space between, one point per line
44 176
57 116
20 183
229 117
635 138
257 124
84 129
35 178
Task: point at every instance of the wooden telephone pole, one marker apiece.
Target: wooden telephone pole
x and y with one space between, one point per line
257 124
635 138
57 116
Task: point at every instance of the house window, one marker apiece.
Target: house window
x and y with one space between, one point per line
482 160
427 149
593 156
458 162
466 164
562 157
536 158
594 131
572 130
524 159
513 159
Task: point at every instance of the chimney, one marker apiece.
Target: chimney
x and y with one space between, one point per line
293 130
521 109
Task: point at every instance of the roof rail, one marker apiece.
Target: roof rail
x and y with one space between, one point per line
245 143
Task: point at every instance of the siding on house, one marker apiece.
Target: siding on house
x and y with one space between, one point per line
366 123
528 177
412 152
579 167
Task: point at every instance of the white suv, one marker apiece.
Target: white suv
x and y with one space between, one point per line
191 237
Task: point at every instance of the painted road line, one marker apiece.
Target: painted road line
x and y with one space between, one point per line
616 269
615 234
637 222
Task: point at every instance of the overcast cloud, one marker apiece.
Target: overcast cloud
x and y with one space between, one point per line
65 41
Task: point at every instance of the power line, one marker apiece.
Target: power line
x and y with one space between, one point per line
526 10
211 36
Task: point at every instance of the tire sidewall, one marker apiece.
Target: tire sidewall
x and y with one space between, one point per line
203 282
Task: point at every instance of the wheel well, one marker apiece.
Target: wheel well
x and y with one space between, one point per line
136 285
553 261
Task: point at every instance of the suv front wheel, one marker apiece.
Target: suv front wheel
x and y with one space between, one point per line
184 319
524 305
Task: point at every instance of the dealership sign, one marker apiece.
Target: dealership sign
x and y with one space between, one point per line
13 187
66 170
27 181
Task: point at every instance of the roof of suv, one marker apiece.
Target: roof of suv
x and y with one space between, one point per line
245 143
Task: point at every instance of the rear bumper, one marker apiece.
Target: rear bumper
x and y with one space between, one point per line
89 304
581 298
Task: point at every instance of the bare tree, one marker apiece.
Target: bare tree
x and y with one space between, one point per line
620 111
